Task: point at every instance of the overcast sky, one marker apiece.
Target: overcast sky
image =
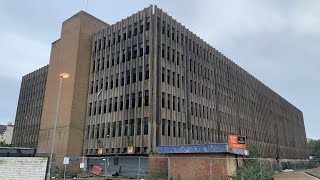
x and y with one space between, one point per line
276 41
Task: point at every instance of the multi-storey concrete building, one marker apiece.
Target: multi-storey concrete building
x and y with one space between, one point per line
153 82
29 109
6 132
147 81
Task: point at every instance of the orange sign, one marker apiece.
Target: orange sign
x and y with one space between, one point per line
238 142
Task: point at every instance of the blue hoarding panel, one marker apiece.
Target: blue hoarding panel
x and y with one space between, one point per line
203 148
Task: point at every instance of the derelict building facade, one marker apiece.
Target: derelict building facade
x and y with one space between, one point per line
29 110
153 82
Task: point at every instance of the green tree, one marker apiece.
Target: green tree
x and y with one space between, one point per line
314 148
4 144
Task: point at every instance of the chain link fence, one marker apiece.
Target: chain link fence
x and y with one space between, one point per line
173 168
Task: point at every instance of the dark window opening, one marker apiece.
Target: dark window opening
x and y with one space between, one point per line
179 129
163 100
98 129
129 54
147 72
141 26
131 127
125 127
140 99
97 86
119 128
134 76
116 104
169 128
135 30
140 73
91 87
114 129
110 105
174 129
92 132
127 101
139 126
130 31
168 76
163 127
124 35
146 98
117 80
90 109
145 126
122 79
140 49
118 57
111 82
128 76
147 47
123 55
121 103
102 63
169 96
133 100
163 75
95 108
99 109
174 103
173 79
105 106
134 52
178 104
147 23
162 51
103 130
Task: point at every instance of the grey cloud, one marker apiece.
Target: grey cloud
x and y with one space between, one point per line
276 41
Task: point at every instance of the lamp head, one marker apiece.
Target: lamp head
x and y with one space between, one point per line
64 75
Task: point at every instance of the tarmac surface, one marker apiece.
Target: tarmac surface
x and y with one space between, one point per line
297 175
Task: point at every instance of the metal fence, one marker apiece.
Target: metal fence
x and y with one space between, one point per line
173 167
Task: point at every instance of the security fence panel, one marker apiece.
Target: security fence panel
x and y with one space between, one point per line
155 168
175 167
68 167
298 164
248 169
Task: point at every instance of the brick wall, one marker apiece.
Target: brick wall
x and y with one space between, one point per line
24 168
193 166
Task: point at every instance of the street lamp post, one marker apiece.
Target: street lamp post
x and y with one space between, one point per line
62 76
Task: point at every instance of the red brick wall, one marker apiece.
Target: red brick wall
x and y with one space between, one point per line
158 164
190 166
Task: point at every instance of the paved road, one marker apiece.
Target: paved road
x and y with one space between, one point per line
295 175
